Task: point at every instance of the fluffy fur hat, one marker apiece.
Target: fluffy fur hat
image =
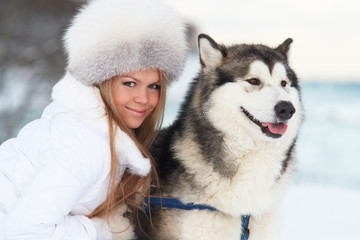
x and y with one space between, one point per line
112 37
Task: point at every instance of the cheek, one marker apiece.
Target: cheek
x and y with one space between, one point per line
117 99
120 97
154 99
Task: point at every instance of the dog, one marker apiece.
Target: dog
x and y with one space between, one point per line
231 146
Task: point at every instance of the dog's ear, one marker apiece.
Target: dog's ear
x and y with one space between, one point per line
211 53
284 48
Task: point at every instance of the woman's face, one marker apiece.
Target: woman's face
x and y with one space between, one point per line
136 95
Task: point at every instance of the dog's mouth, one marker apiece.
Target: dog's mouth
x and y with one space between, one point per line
274 130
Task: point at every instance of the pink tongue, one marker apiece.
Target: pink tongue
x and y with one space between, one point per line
278 128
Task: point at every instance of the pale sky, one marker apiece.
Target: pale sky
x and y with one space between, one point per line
326 33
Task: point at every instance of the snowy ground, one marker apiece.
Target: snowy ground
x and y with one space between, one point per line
320 213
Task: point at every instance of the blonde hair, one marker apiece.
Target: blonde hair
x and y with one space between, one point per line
130 185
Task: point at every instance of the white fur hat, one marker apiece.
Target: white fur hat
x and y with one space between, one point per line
112 37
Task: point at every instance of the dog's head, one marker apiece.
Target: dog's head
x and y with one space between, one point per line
251 87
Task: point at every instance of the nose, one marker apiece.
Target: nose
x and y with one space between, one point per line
141 96
284 110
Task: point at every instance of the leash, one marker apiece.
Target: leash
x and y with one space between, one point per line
176 203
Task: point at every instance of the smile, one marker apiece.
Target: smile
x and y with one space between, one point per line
274 130
136 113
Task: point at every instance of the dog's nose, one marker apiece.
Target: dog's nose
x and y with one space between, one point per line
284 110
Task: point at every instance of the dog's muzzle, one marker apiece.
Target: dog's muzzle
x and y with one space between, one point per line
283 111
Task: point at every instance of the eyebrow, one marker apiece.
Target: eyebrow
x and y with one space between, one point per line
157 82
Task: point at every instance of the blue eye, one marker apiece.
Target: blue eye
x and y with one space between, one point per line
129 84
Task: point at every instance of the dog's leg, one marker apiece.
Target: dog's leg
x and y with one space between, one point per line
264 227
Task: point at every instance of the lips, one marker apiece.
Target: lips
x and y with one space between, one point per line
274 130
136 112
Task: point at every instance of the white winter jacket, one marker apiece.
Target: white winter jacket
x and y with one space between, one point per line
57 169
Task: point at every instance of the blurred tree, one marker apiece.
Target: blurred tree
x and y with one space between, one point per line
31 58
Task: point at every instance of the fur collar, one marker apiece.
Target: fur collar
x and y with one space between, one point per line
85 102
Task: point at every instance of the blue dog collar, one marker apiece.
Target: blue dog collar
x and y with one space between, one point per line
175 203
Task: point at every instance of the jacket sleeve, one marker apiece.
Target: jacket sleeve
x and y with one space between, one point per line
68 168
130 155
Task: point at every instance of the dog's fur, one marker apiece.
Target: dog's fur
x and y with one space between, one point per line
229 147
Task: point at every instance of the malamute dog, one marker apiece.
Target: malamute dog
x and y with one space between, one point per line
231 147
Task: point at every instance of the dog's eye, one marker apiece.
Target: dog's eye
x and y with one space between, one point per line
254 81
283 83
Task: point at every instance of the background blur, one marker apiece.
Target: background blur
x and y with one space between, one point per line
322 202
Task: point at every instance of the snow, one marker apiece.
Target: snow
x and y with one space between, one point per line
320 213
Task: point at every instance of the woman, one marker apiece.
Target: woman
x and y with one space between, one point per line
65 173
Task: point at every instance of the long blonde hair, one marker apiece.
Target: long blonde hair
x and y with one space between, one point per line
130 185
